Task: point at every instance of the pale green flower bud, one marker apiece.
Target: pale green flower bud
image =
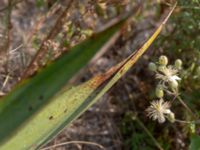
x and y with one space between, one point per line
171 117
173 84
161 68
192 127
152 66
159 92
163 60
178 64
198 71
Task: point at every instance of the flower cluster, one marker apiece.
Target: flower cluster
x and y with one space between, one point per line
167 74
168 81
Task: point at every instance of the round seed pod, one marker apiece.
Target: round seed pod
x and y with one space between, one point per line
198 71
173 84
171 117
152 66
159 92
163 60
178 64
192 127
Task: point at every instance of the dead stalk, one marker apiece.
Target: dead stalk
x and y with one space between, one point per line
8 34
36 61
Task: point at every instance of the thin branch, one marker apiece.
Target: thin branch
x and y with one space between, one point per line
16 49
8 33
36 61
186 107
12 5
74 142
5 82
183 7
39 23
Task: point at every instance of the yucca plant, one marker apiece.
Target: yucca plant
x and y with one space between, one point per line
39 107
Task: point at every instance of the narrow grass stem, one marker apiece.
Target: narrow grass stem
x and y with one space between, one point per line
186 107
188 122
149 133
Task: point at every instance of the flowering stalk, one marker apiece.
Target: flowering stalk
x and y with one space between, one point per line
188 109
168 82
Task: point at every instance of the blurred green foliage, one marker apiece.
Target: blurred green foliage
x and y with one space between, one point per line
181 39
135 137
40 3
45 3
183 33
195 144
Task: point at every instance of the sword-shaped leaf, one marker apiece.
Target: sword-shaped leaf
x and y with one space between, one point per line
32 94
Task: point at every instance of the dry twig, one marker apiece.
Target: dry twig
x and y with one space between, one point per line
74 142
36 61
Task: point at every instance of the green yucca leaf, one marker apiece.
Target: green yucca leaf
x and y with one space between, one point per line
32 94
